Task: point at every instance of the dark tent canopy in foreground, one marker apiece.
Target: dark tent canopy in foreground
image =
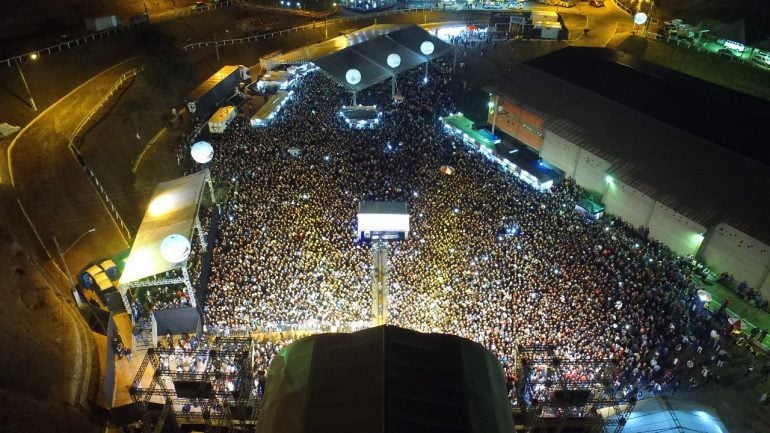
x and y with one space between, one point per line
385 379
413 46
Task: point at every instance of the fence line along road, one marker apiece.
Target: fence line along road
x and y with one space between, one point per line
174 13
313 25
77 135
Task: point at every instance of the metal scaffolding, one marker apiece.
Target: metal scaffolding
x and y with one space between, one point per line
561 395
213 385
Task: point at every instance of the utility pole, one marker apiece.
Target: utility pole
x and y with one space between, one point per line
494 115
24 80
216 46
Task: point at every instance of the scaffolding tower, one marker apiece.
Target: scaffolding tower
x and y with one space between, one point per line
214 385
558 395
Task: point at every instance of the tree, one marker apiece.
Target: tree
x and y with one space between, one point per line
167 68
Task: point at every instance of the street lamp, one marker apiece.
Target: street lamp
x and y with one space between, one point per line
62 253
32 56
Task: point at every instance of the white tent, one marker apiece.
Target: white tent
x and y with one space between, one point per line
173 209
663 414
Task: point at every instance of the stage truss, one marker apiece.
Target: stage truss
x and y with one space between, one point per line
220 392
561 395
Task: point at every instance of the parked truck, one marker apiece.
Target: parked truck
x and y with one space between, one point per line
204 100
97 24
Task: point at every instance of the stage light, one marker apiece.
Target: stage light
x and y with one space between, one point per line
161 205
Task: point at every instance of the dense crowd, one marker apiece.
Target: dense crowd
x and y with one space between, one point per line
487 258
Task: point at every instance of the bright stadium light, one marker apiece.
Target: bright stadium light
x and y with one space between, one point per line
202 152
394 60
608 179
175 248
161 204
353 76
427 48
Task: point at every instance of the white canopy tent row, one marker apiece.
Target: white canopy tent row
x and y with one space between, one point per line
378 57
162 243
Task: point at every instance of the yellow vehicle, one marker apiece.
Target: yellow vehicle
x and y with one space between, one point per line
97 285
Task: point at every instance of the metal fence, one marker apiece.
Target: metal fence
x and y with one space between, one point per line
313 25
71 43
77 135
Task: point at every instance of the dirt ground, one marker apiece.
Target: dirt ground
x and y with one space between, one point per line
48 358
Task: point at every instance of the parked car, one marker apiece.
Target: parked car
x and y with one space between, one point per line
198 7
596 3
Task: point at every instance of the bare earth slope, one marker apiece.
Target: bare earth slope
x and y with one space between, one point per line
47 351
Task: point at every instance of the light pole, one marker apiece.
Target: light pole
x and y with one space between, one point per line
32 56
62 253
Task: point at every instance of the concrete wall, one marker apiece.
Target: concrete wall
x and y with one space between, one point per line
683 235
560 153
726 249
628 203
591 172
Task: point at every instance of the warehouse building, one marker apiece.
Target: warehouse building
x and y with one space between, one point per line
682 157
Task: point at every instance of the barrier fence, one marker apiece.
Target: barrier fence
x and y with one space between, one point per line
313 25
77 135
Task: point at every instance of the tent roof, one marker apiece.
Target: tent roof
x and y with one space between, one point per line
339 63
663 414
413 36
172 210
385 379
369 54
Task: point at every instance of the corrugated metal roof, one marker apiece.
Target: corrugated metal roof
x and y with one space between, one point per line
211 81
697 178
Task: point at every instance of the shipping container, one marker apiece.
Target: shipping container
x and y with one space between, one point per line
204 100
97 24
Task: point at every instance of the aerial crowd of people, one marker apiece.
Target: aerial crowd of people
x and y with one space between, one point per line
488 257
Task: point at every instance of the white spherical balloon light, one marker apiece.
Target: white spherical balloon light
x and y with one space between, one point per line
175 248
394 60
427 48
353 76
202 152
640 18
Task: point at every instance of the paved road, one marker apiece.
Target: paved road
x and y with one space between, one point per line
55 194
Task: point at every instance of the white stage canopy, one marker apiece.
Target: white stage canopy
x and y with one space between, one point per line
664 414
172 210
